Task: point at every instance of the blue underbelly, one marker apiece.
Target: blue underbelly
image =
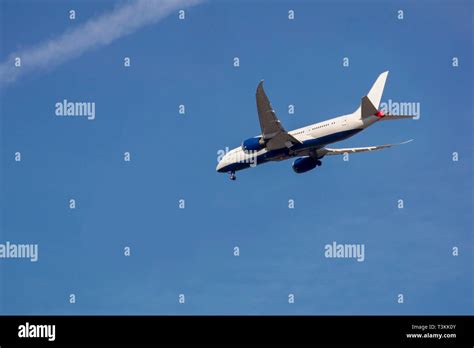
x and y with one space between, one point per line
285 153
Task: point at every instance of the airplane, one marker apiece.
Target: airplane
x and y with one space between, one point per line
307 143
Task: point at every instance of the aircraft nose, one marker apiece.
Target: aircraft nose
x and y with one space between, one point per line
224 162
222 166
219 167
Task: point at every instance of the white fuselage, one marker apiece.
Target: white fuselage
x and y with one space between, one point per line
312 137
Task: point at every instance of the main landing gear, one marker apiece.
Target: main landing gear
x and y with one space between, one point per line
232 176
318 163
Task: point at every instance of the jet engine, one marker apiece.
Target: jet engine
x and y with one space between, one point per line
253 144
304 164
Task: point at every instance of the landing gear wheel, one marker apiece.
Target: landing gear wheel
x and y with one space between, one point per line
318 163
232 176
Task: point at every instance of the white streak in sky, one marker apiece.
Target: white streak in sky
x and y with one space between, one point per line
96 32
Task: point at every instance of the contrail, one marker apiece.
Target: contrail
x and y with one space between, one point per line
97 32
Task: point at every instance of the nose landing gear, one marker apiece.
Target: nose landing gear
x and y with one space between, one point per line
232 176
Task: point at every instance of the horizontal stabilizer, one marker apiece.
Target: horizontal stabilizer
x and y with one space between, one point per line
367 108
396 117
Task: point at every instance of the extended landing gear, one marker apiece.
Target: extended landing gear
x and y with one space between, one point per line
318 163
232 176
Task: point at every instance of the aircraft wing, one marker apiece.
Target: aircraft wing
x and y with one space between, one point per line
273 133
329 151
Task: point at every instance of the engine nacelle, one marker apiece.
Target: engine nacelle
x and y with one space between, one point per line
304 164
252 144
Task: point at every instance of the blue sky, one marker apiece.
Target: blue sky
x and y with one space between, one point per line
190 250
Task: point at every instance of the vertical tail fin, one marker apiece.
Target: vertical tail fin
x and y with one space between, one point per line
372 100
